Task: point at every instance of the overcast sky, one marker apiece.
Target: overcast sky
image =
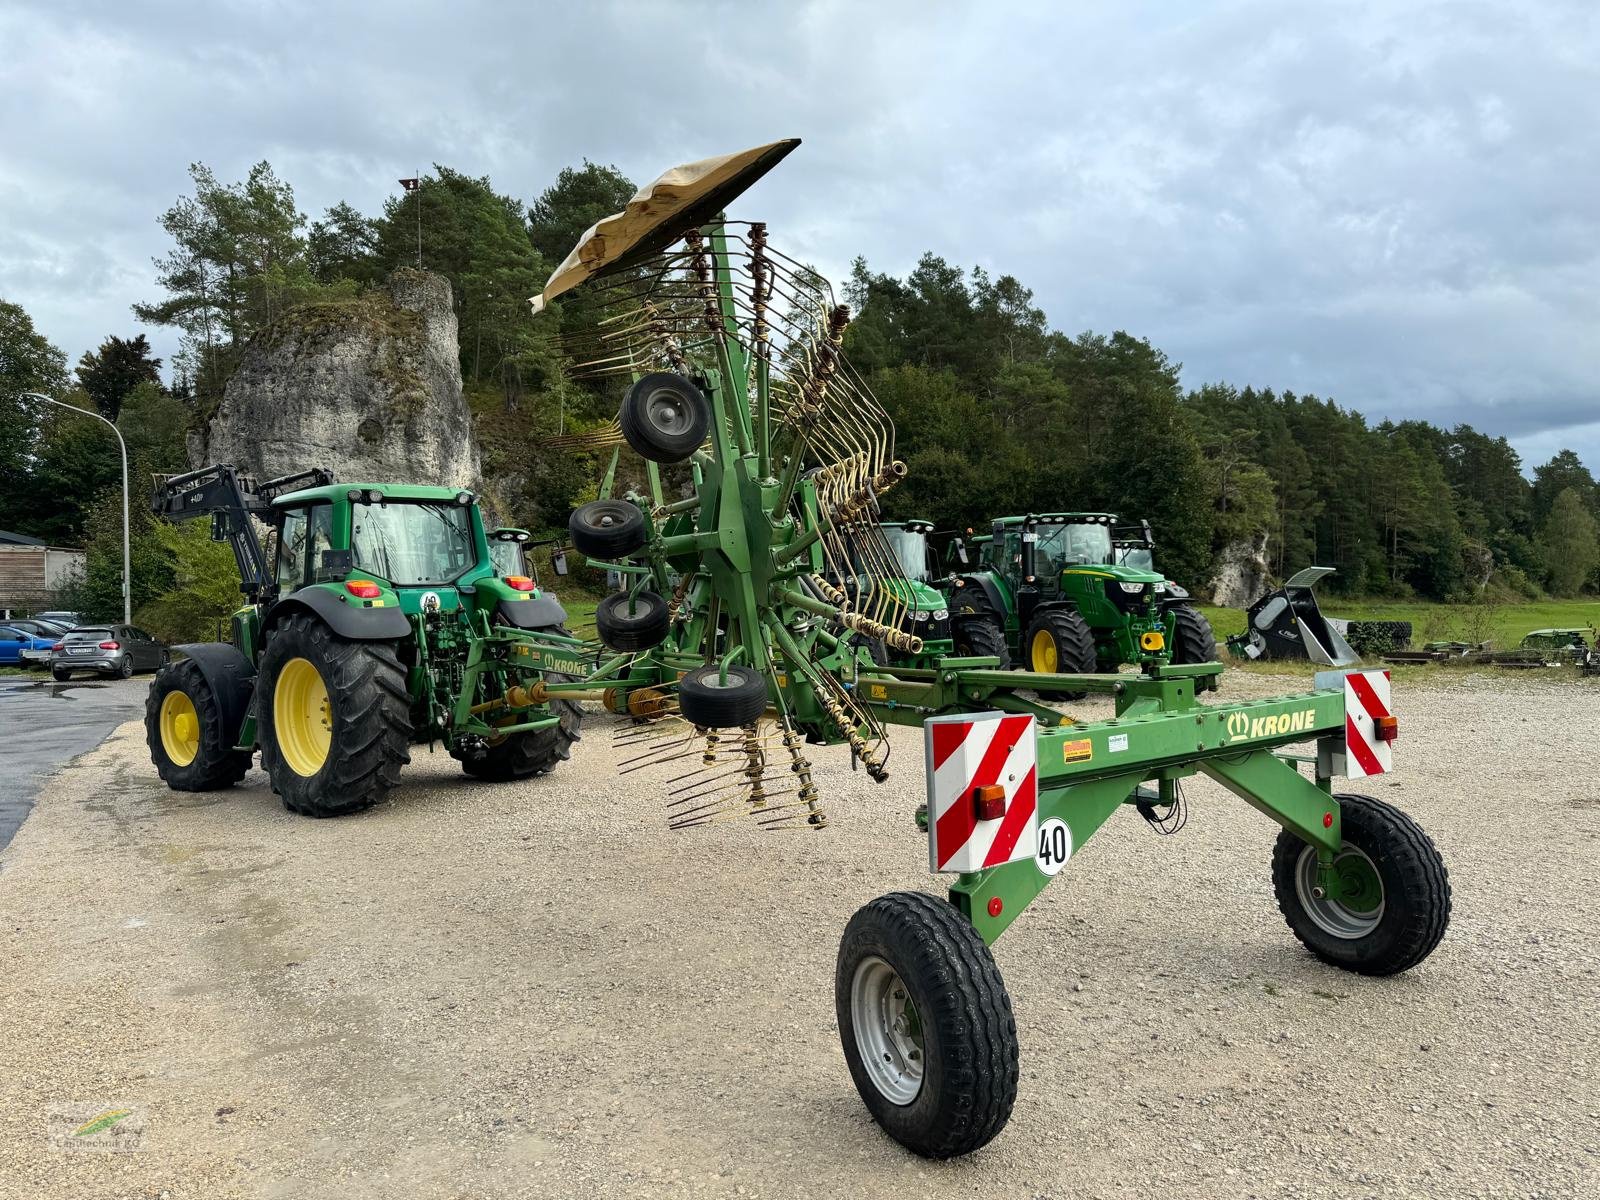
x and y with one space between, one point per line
1396 205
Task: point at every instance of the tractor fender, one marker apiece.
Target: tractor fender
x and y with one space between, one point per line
230 676
981 595
537 612
349 621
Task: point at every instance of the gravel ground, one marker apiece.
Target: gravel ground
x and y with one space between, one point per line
534 990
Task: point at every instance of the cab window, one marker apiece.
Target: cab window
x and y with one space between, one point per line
291 570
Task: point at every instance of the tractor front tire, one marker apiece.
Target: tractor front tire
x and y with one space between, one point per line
1059 641
1193 640
335 718
926 1024
536 751
1390 902
183 728
981 637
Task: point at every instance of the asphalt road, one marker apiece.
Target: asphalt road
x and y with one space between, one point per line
44 724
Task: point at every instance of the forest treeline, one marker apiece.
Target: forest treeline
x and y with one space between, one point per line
996 412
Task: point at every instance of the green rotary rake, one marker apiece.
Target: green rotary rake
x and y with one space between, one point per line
761 600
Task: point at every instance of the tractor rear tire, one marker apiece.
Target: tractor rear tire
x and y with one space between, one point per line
641 629
664 417
981 637
1193 640
1059 641
335 718
704 700
183 728
926 1024
537 751
1391 904
606 529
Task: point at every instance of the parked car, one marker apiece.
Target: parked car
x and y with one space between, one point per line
24 647
106 650
69 619
38 626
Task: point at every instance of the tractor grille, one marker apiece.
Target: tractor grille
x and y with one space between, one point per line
1129 602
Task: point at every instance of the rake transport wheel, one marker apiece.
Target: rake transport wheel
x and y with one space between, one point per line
606 529
632 622
183 727
537 751
1391 899
335 718
705 699
1193 640
981 637
664 417
926 1024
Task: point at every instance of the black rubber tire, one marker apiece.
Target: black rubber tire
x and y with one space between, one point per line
606 529
370 711
703 701
641 629
126 669
1416 890
59 675
877 649
664 417
537 752
1074 641
981 637
969 1045
216 764
1193 640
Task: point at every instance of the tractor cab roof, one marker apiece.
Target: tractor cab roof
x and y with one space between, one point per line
508 533
373 493
1070 518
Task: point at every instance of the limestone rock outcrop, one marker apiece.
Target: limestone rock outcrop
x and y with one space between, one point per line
369 388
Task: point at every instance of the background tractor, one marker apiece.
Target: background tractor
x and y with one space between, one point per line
912 581
379 619
1059 593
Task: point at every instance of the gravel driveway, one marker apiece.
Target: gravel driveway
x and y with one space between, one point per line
535 990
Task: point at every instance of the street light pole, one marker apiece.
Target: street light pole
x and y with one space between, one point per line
127 558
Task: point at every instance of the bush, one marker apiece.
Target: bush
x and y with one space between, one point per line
205 589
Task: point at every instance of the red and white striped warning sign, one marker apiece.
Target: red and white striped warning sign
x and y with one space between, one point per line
969 756
1369 724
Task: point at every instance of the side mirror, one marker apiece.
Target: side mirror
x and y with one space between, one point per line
961 552
558 562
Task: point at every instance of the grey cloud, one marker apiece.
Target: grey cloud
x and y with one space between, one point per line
1391 204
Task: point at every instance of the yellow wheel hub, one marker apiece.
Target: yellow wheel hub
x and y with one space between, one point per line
180 728
302 718
1042 651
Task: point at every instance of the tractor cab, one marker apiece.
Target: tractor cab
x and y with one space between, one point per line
909 580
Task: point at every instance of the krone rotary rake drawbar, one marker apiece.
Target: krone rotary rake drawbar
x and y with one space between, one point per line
759 596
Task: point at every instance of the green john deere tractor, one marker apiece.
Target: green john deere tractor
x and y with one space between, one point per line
379 618
1058 593
919 607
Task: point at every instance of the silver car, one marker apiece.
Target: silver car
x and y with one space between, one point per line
106 650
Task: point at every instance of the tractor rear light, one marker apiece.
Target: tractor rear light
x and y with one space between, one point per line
363 589
1388 728
521 582
989 802
111 645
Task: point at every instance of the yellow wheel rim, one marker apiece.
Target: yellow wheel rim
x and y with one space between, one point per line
1043 652
301 717
180 728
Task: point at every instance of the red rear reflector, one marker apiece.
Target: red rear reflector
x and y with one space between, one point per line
1388 728
1327 820
521 582
363 589
110 646
989 802
996 906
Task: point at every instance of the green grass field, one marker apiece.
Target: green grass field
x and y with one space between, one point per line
1503 624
